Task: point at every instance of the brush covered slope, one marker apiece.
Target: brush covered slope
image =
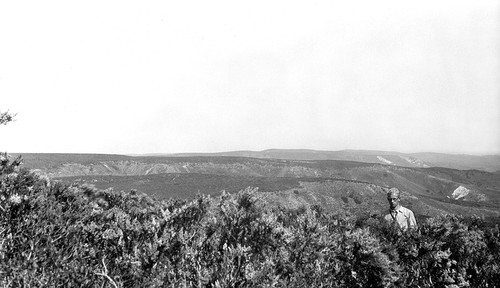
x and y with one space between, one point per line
490 163
58 235
331 184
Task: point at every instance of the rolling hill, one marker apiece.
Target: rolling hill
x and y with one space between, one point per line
490 163
333 184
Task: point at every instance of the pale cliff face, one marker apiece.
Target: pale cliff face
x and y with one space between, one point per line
460 192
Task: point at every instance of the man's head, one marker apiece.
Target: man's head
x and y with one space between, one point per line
393 196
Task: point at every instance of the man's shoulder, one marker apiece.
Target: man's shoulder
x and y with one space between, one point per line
405 210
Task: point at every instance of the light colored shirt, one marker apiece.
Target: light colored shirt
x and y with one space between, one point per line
403 216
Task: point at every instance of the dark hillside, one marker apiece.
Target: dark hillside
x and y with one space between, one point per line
184 185
438 190
340 195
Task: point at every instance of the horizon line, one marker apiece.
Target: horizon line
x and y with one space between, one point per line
259 151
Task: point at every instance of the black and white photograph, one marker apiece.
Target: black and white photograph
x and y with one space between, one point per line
222 143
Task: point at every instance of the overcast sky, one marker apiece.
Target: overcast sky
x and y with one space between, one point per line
206 76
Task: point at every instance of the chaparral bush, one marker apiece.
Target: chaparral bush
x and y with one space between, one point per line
55 235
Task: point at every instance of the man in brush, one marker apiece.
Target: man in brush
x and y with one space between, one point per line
398 214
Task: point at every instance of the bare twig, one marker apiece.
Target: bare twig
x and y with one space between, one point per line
107 277
105 274
57 239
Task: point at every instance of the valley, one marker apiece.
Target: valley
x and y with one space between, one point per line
336 185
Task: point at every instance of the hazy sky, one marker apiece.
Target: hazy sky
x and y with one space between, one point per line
206 76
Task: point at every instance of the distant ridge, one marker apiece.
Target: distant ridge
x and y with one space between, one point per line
490 163
333 184
330 183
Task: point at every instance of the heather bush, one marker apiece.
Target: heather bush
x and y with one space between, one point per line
55 235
